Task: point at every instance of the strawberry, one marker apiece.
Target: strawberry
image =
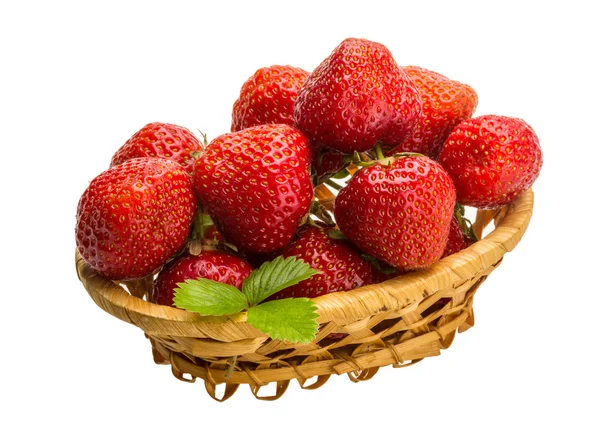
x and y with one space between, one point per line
268 97
161 140
212 234
445 104
256 185
492 160
341 267
326 162
135 216
356 97
381 276
457 239
211 264
257 259
398 210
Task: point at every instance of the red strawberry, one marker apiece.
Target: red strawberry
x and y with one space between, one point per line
135 216
341 267
326 162
398 210
212 265
380 276
212 234
268 97
256 186
457 239
257 259
445 104
161 140
356 97
492 160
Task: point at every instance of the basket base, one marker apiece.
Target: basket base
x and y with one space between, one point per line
360 362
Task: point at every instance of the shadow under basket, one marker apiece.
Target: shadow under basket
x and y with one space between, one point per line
398 322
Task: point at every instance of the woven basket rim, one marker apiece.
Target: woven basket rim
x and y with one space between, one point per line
394 294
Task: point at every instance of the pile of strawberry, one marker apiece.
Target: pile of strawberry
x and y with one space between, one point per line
180 209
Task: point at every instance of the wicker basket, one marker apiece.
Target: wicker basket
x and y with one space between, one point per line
398 322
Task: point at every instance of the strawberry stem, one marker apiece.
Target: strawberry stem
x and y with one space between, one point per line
333 184
201 221
465 224
361 159
204 137
379 152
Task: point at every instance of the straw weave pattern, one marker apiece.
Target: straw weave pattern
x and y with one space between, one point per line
398 322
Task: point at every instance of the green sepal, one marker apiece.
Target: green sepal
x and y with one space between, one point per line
377 264
465 224
336 234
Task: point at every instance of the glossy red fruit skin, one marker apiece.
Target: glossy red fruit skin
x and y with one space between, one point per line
492 160
256 185
400 213
135 216
339 265
268 97
356 97
212 264
457 240
161 140
446 103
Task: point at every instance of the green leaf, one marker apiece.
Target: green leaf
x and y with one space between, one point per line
292 320
274 276
208 297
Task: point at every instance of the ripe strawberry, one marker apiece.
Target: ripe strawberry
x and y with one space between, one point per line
161 140
356 97
398 210
256 185
135 216
341 267
326 162
380 276
212 234
268 97
457 239
492 160
213 265
257 259
445 104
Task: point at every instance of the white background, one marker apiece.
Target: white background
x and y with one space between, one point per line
77 79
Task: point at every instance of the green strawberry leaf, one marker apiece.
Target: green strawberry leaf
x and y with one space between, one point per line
208 297
292 320
274 276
